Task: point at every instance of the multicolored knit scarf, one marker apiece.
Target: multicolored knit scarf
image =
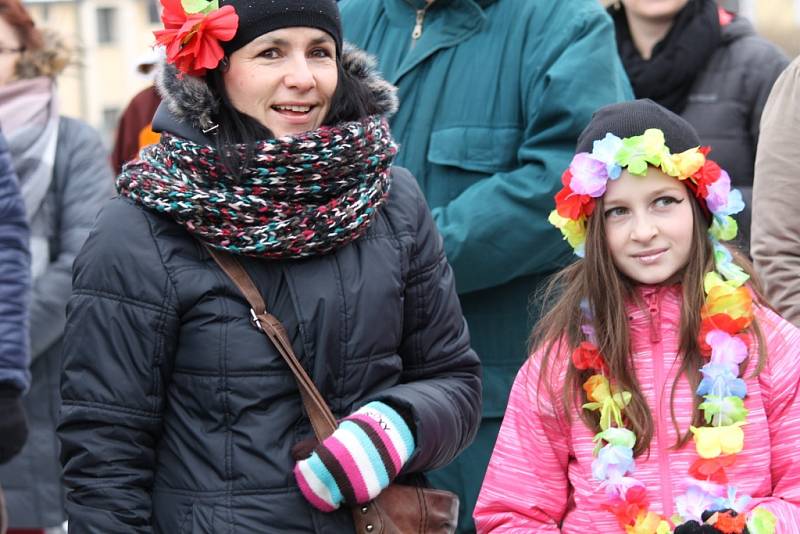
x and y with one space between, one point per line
301 195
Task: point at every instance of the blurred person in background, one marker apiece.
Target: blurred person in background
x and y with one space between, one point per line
707 65
776 196
135 127
64 176
14 295
493 95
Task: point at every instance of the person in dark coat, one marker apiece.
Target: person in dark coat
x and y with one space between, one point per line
178 415
64 177
14 294
708 66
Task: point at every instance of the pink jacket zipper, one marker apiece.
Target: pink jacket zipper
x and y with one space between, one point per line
653 304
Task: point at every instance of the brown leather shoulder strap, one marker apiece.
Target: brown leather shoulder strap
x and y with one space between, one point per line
322 420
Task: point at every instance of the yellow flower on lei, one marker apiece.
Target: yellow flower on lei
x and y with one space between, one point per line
648 523
724 297
712 441
683 164
610 404
574 231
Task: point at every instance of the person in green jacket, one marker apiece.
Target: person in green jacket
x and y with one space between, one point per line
493 95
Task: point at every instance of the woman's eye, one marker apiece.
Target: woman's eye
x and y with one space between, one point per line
663 202
615 212
270 53
320 52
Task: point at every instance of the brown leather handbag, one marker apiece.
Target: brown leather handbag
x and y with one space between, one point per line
400 508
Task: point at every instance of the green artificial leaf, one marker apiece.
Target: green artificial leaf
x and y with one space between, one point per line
199 6
761 521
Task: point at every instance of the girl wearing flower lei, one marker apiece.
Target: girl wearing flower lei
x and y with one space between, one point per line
684 381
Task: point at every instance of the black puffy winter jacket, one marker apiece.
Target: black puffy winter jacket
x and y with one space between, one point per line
179 416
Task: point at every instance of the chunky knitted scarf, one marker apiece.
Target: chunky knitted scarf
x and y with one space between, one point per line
301 195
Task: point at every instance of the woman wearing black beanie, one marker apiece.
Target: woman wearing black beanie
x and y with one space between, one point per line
179 416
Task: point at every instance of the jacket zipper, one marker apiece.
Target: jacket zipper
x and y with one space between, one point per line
417 31
658 367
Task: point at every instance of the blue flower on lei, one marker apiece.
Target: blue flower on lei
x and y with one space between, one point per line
605 150
720 381
730 501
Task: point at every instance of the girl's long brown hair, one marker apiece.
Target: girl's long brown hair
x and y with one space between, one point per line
596 279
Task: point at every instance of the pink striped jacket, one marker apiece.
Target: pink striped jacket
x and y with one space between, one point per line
539 477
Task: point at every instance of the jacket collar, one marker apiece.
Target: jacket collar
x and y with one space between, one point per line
188 106
659 304
446 24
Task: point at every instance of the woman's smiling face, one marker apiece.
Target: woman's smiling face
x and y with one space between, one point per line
285 79
649 225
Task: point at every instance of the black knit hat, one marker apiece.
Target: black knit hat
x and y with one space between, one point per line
257 17
628 119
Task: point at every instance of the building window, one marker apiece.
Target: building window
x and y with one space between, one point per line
152 12
106 25
109 126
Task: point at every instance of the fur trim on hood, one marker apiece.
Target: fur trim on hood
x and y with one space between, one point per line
190 100
50 60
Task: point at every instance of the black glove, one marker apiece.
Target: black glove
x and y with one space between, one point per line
13 423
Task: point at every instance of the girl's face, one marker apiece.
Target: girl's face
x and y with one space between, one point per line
649 225
285 79
10 46
655 10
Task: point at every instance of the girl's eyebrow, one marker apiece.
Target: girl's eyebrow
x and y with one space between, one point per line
674 189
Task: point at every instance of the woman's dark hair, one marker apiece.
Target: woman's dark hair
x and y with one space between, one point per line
351 101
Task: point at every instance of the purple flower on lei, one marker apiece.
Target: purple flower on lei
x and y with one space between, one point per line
726 350
617 484
612 459
589 176
698 498
721 199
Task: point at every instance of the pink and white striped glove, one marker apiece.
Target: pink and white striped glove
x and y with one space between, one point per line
358 460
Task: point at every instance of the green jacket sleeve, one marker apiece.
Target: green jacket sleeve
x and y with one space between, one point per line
497 230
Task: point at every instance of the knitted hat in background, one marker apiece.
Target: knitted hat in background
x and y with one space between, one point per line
257 17
628 119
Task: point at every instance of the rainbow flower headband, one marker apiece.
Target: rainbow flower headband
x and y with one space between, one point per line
587 176
725 317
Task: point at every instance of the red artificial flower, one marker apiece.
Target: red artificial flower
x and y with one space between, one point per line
571 205
712 469
730 523
724 322
192 40
587 356
707 175
626 511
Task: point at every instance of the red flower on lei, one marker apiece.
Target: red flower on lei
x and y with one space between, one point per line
192 40
570 204
587 356
712 469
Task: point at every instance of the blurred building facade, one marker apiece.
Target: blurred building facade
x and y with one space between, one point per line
108 37
111 35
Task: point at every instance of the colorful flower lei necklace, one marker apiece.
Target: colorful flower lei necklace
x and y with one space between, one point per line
726 314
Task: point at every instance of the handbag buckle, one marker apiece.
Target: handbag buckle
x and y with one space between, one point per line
254 319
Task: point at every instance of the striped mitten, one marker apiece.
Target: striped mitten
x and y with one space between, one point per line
358 460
